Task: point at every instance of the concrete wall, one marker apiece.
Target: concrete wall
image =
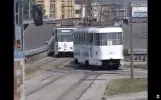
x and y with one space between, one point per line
32 58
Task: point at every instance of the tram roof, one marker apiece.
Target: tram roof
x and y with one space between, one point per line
99 29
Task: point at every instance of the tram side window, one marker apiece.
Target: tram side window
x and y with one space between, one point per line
79 39
74 36
120 37
116 38
86 39
90 38
103 39
83 39
96 39
80 36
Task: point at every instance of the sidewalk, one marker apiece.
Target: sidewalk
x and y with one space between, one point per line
129 96
34 65
136 63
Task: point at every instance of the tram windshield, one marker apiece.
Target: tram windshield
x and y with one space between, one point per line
65 36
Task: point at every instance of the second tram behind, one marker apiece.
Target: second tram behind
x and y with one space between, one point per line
63 41
99 46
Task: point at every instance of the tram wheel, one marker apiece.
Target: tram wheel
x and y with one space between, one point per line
75 61
116 67
57 55
86 63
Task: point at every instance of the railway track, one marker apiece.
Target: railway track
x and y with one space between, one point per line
73 87
87 88
58 67
47 62
93 71
48 70
43 86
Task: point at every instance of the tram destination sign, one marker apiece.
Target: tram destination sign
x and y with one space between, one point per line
65 30
140 12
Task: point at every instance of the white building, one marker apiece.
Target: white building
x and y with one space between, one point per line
79 11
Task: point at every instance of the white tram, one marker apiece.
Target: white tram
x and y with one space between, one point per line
63 41
100 46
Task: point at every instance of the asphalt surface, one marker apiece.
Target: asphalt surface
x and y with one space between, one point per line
61 80
35 37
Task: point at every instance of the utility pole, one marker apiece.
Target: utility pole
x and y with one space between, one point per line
124 8
80 12
116 10
62 15
131 41
29 10
100 6
110 9
86 12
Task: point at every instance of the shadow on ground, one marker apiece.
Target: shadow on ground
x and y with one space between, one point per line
91 68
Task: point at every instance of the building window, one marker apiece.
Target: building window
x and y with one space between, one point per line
77 1
77 11
52 15
52 11
63 10
53 1
63 16
52 6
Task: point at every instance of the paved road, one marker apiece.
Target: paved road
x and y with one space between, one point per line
61 80
37 36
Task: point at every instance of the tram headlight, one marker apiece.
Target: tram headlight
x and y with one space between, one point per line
18 45
59 48
71 48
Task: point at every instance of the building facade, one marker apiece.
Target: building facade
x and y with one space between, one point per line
62 9
58 9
